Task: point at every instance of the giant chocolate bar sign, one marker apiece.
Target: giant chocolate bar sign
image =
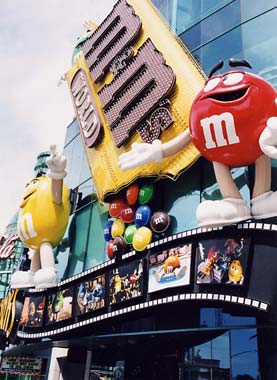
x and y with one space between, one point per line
134 82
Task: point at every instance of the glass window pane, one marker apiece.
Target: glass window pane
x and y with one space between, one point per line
213 26
72 131
86 193
210 360
62 251
181 198
214 317
210 189
96 243
255 41
257 7
78 241
181 14
243 352
77 164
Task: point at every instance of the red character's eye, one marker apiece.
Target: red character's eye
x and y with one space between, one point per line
233 78
211 84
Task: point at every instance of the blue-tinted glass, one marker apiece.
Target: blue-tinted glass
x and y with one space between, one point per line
181 198
210 360
72 131
96 243
86 193
77 165
210 189
244 354
229 45
213 26
255 8
63 250
181 14
78 240
214 317
192 37
85 171
255 41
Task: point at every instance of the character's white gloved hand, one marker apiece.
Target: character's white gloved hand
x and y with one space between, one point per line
31 253
268 138
141 154
56 164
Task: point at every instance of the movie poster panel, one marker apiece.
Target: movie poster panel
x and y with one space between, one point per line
32 312
222 261
169 268
90 295
59 305
126 282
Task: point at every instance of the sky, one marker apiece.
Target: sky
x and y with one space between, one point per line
36 43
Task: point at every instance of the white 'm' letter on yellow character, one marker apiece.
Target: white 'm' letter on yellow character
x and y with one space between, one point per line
26 227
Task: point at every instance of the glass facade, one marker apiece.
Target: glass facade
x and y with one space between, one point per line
214 30
79 249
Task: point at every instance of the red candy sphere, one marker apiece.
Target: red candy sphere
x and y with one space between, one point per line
109 249
228 116
132 194
127 214
115 207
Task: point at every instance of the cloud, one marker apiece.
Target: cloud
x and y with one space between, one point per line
37 39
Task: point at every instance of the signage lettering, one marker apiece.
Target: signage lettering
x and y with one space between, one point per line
21 365
86 109
141 85
110 38
151 129
7 246
7 312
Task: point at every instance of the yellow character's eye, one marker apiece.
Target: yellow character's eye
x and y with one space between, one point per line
32 184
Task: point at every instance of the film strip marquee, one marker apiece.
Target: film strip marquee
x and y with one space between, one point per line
190 266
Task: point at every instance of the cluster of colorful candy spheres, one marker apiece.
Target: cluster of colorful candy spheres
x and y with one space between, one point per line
132 223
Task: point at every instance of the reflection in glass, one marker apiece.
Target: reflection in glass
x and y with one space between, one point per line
181 14
225 357
215 317
78 243
244 351
181 198
72 131
210 360
77 164
254 41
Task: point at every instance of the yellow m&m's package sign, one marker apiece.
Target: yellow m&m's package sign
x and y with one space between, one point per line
134 81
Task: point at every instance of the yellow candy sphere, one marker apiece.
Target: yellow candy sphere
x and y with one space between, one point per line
118 228
142 237
40 219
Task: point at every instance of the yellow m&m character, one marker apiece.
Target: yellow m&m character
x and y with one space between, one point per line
42 221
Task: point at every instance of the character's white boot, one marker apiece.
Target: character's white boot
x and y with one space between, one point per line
264 205
46 278
222 212
22 279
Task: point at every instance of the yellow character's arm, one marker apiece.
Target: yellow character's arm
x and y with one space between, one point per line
56 171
